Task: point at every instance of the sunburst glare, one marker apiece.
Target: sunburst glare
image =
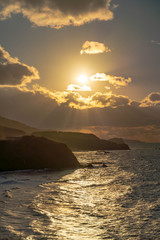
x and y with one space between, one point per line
82 78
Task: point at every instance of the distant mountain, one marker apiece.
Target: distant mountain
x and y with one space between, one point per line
117 140
6 132
11 128
139 144
74 140
82 141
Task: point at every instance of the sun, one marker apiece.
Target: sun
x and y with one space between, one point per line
82 79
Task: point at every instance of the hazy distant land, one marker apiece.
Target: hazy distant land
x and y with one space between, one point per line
82 141
11 128
74 140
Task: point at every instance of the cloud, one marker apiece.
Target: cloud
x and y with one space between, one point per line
73 99
13 72
94 48
153 99
58 13
73 87
155 42
97 100
113 80
109 100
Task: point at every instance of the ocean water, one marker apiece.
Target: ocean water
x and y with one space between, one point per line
120 201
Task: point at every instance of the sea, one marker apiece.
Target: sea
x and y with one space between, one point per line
118 198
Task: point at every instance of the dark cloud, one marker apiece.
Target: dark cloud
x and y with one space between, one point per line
110 100
154 97
67 6
13 72
58 13
97 100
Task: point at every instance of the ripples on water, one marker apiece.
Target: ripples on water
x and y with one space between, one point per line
121 201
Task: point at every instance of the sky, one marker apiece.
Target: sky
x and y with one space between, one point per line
85 65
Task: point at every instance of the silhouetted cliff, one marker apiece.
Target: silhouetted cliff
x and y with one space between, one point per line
32 152
82 141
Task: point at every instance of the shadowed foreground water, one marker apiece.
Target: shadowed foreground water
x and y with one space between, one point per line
121 201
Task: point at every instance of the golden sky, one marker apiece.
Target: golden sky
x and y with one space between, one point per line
81 57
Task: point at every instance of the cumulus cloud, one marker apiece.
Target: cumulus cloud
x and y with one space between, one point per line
99 77
58 13
109 100
73 87
91 47
153 99
67 98
97 100
73 99
113 80
13 72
